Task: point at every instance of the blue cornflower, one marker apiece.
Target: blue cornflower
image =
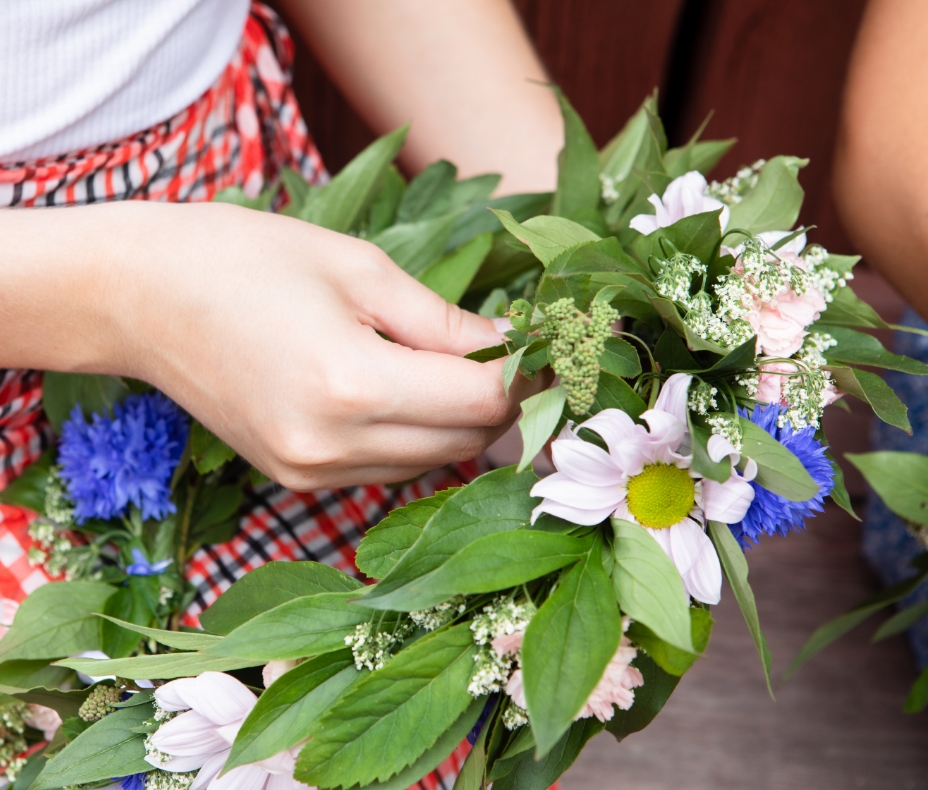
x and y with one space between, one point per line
132 782
130 457
770 513
140 566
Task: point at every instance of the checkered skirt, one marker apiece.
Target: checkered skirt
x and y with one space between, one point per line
241 132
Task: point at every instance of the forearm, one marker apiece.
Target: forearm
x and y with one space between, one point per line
882 161
462 72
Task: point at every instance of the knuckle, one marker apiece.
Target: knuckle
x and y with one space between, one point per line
347 393
494 409
471 445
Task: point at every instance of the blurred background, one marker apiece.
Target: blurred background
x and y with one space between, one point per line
771 73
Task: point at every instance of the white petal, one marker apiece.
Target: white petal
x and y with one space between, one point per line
283 782
666 435
210 770
718 447
750 470
694 556
727 502
585 462
673 396
585 518
245 777
662 536
644 223
771 237
623 437
586 497
177 764
173 696
282 763
220 697
187 735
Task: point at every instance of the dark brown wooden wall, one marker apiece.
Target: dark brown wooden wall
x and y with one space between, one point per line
771 70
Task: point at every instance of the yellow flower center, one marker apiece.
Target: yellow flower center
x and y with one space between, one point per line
661 495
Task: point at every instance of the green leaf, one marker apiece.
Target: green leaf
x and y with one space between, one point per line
667 310
73 726
511 367
669 658
778 470
386 201
825 634
207 451
341 202
129 604
450 275
839 494
697 234
384 544
109 748
606 255
617 158
775 201
57 620
271 585
531 774
620 358
614 393
857 348
415 246
494 562
473 773
846 309
302 627
649 699
286 711
901 621
28 490
34 764
476 189
392 716
871 389
61 392
671 352
428 194
918 696
166 666
720 471
478 219
702 156
900 480
546 237
738 359
567 646
578 184
65 703
23 675
498 501
736 571
540 416
181 640
296 186
237 197
648 586
494 306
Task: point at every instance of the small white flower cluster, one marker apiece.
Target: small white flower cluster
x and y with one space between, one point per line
676 276
514 716
702 398
151 752
166 780
726 426
58 505
807 395
491 672
823 276
373 648
503 617
733 189
436 616
52 549
750 382
814 347
12 741
609 193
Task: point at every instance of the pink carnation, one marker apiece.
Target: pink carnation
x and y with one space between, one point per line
770 384
780 325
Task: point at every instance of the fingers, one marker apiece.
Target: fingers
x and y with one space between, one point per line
409 313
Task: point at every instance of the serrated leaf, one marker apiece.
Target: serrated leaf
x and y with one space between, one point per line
778 470
871 389
56 620
697 234
105 750
735 567
271 585
392 716
384 544
488 354
578 186
511 367
165 666
648 586
497 501
614 393
774 203
61 392
567 646
302 627
546 237
286 711
450 276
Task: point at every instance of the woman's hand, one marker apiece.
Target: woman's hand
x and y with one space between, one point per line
263 327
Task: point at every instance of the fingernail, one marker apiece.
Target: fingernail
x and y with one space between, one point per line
502 325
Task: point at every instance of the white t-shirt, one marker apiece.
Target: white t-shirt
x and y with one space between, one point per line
75 74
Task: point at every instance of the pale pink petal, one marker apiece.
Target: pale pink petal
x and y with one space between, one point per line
585 462
220 697
666 436
750 470
210 771
771 237
644 223
588 497
274 669
694 556
283 782
727 502
228 731
41 718
515 689
173 696
585 518
718 447
188 734
673 396
282 763
508 644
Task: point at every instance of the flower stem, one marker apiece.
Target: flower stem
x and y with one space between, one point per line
181 555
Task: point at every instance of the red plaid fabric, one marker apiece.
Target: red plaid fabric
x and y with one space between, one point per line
241 132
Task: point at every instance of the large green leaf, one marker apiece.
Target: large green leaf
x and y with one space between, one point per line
540 416
846 309
128 604
302 627
271 585
648 586
23 674
614 393
778 470
415 246
340 203
546 237
497 501
285 712
109 748
567 646
428 194
617 158
479 219
900 479
392 716
450 276
57 620
901 621
578 184
701 155
669 658
61 392
736 571
181 640
620 358
384 544
386 201
871 389
775 201
697 234
165 666
28 490
494 562
649 699
857 348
